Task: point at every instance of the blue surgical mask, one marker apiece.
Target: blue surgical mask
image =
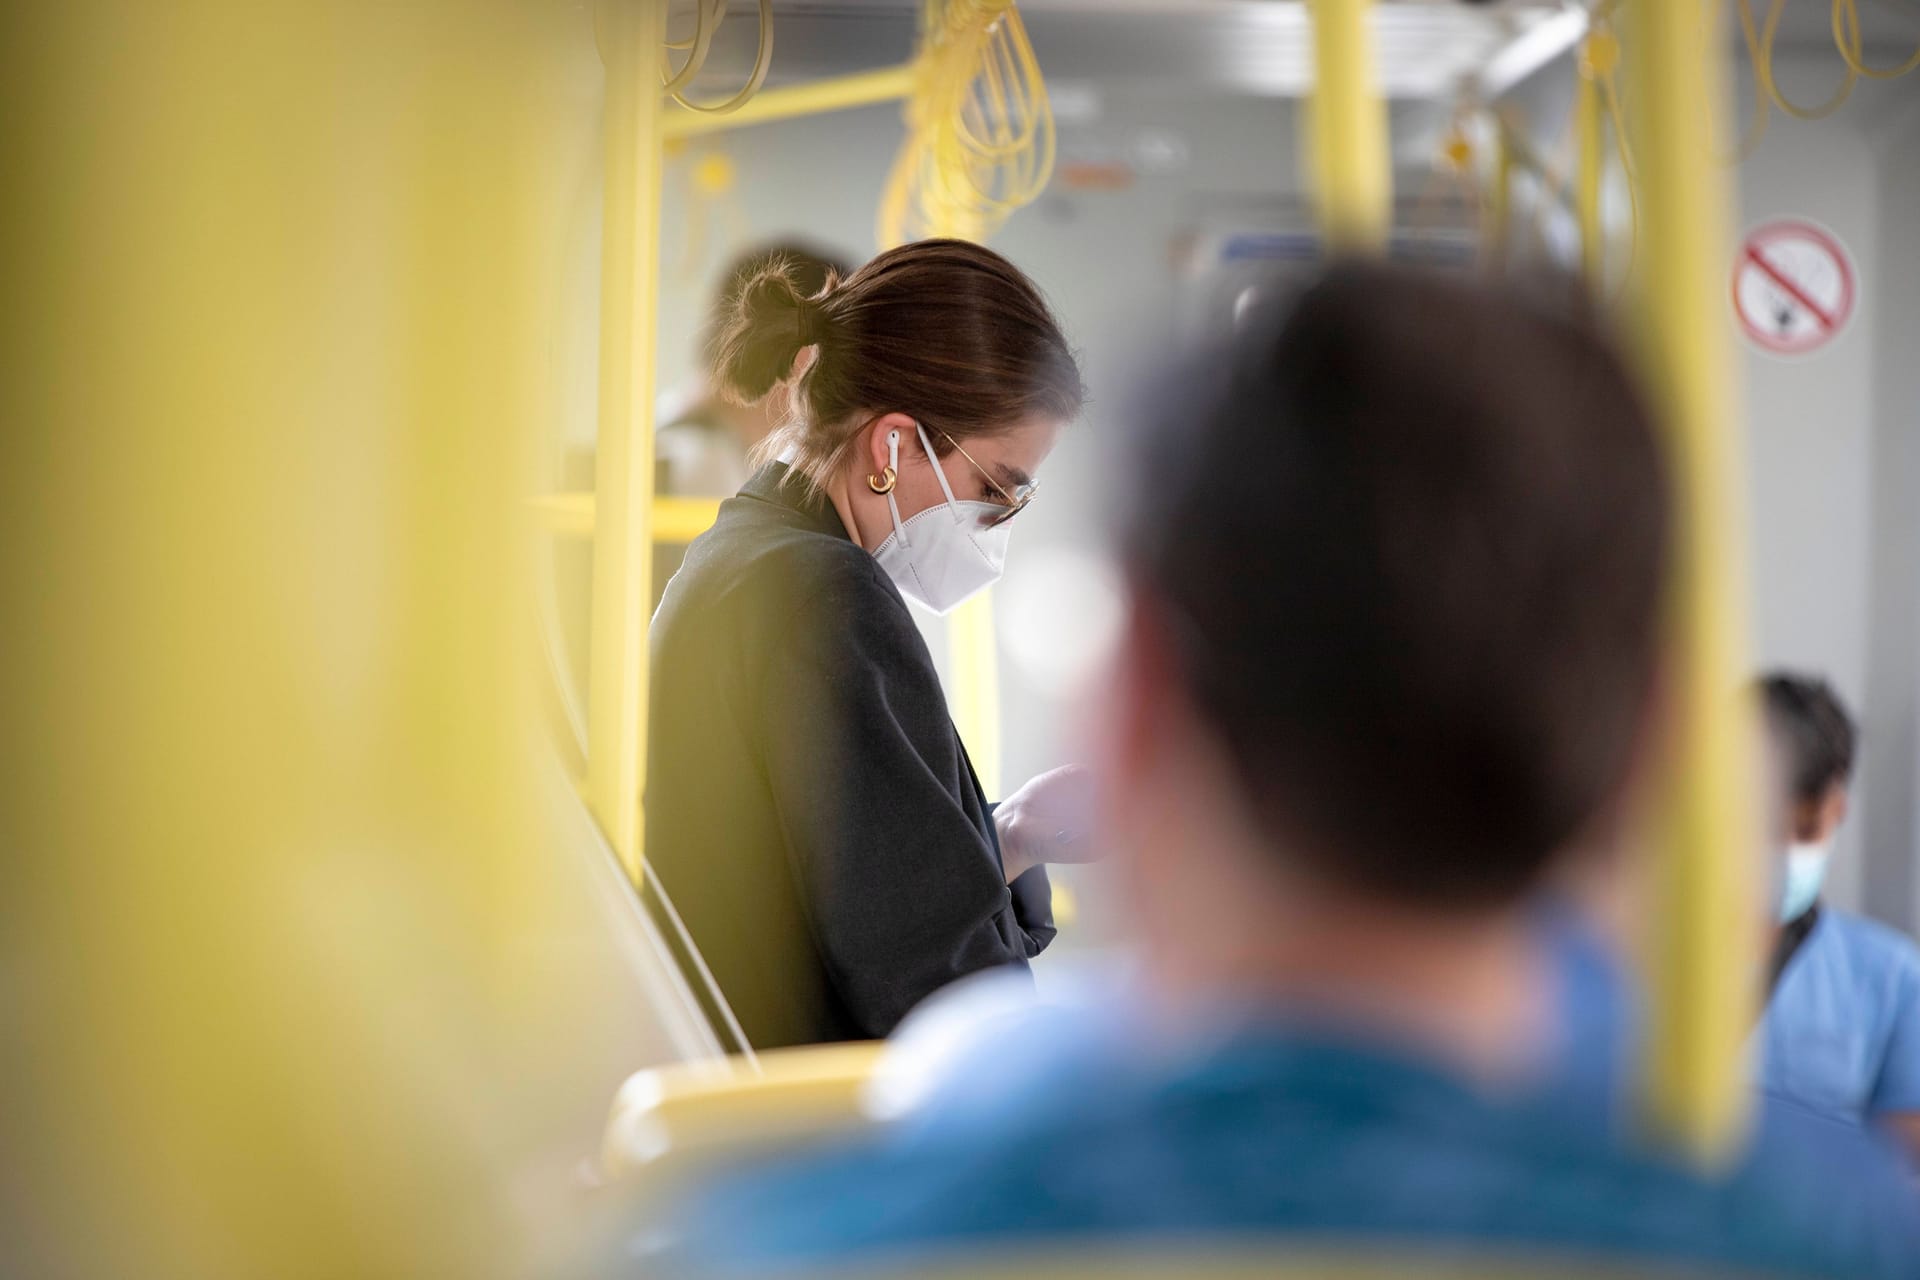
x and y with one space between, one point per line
1806 870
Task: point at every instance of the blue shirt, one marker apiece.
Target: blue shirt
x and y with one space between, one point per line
1841 1036
1269 1132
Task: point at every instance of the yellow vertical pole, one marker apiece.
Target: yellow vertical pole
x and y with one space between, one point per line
975 698
1500 199
632 33
1353 174
1702 933
1586 194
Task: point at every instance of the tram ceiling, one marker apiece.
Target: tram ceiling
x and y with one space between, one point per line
1261 47
1425 48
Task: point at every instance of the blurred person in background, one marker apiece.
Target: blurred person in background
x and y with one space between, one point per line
810 808
704 440
701 445
1841 1036
1396 565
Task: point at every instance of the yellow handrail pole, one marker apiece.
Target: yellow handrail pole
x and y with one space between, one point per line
680 520
1353 174
632 36
675 520
1500 197
1701 933
1587 143
973 661
888 84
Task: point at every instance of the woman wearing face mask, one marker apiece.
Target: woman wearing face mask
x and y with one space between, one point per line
810 809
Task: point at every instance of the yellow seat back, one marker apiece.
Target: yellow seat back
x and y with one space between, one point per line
684 1118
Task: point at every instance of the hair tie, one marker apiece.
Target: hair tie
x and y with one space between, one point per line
813 325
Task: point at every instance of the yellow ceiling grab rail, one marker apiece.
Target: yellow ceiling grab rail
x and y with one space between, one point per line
863 89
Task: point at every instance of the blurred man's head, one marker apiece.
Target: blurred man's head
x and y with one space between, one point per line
1397 559
1811 742
809 266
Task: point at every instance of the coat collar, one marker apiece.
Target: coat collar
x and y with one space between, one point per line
770 484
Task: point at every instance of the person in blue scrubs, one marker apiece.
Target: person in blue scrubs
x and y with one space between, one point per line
1395 561
1841 1036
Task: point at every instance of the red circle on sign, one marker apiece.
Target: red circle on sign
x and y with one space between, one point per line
1793 287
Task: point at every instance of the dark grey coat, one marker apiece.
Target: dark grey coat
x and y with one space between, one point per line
809 806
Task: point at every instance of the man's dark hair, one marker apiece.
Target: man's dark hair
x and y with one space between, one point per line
1816 735
808 265
1408 544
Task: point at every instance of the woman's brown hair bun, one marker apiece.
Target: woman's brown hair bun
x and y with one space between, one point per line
771 322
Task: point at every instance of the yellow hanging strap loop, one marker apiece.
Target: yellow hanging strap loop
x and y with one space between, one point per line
708 15
1760 49
1600 67
1846 34
712 205
980 132
1760 37
1762 114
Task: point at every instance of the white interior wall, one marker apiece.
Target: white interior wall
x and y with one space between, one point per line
1890 824
1810 423
1833 444
1833 467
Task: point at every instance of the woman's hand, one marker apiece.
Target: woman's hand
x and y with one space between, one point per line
1048 820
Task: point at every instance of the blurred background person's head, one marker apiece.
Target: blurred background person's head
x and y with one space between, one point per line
1811 743
1396 560
704 438
813 270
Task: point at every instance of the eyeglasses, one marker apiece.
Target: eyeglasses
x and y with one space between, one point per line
1016 501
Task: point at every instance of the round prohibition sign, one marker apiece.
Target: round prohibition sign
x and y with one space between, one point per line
1793 287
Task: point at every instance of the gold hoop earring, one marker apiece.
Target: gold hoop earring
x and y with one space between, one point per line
882 483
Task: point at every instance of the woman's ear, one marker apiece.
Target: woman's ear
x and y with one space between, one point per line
874 446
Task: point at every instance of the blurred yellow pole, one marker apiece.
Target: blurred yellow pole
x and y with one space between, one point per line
631 40
1587 142
277 909
974 684
1353 173
1500 198
888 84
1703 929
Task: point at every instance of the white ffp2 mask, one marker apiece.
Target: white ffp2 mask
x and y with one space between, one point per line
947 553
